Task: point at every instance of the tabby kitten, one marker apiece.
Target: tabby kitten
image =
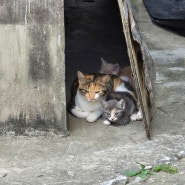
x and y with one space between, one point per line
119 108
109 68
88 90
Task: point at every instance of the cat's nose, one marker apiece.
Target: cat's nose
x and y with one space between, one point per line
91 99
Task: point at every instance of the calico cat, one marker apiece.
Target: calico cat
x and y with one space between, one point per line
88 90
119 108
115 69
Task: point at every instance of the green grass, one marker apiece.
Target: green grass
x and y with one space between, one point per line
165 168
145 173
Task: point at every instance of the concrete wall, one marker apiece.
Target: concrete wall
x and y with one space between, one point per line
32 67
167 50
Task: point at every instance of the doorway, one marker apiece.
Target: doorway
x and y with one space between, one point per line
93 30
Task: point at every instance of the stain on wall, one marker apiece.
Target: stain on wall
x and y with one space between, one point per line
32 79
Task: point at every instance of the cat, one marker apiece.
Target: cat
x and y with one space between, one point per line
88 90
115 69
126 75
119 108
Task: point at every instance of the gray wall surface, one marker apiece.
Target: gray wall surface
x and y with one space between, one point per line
32 67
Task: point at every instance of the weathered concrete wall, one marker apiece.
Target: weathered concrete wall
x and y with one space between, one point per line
32 69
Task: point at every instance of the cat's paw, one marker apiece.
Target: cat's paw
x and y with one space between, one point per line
139 115
133 117
106 122
136 116
91 118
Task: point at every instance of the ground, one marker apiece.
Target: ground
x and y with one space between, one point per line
94 153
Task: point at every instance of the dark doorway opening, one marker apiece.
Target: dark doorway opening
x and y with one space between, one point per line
93 30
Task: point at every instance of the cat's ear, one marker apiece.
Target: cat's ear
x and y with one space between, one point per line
103 62
81 77
116 68
104 104
121 104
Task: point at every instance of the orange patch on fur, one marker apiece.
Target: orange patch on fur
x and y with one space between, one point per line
117 81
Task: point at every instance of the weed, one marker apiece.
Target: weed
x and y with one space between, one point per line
144 173
165 168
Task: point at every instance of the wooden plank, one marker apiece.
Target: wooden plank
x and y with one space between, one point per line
137 52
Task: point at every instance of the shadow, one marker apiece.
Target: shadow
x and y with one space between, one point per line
93 30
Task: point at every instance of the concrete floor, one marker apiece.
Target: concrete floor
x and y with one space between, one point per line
96 154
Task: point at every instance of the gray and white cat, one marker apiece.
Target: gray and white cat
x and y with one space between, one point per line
126 75
119 108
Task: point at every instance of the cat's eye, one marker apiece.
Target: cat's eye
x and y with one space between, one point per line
116 114
83 91
102 93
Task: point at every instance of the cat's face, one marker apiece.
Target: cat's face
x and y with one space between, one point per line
92 87
113 109
108 68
